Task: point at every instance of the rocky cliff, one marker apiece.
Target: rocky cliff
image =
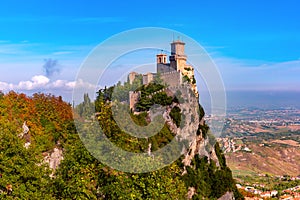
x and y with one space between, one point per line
191 128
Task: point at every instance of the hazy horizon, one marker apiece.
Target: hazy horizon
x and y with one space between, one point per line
256 99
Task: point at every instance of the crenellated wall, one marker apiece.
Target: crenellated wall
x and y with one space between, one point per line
172 79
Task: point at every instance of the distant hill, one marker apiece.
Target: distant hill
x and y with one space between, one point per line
274 160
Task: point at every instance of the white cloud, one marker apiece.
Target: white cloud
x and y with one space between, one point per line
69 85
59 83
40 80
4 86
42 83
36 82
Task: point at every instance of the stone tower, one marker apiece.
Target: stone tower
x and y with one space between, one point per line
161 58
132 76
148 78
178 61
178 58
134 97
161 64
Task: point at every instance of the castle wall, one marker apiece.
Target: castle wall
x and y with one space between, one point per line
173 78
147 78
163 68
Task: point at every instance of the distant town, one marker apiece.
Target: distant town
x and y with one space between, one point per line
253 192
262 147
249 121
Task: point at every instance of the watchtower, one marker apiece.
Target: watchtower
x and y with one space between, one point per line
161 58
177 58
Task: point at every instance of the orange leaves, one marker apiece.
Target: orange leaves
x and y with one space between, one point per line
43 113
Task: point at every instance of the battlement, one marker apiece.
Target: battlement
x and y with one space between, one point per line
171 72
148 78
173 78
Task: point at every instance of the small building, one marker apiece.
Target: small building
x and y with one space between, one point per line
132 76
148 78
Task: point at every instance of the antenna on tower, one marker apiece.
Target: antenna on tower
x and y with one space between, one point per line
173 37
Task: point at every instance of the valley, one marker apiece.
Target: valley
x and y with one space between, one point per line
262 148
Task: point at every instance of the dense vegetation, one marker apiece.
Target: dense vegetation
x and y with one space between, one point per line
80 175
50 123
269 182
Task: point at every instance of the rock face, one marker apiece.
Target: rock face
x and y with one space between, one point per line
190 130
26 135
189 126
191 192
53 159
189 107
227 196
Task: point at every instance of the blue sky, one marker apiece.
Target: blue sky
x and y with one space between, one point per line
255 43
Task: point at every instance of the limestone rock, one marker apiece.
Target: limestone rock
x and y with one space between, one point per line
53 158
227 196
191 192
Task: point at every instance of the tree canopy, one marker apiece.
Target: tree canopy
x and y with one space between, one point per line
80 175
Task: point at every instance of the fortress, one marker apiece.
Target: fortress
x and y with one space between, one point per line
173 73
